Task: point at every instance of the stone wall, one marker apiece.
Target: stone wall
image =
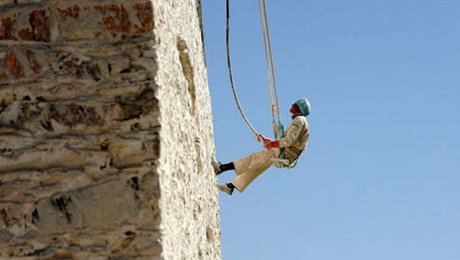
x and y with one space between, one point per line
105 131
189 199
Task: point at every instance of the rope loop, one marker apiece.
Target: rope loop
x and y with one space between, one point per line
235 95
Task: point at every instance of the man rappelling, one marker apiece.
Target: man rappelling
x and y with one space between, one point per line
293 144
284 151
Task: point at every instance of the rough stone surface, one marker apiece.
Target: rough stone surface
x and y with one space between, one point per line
105 131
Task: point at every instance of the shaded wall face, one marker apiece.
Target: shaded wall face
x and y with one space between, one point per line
79 129
105 131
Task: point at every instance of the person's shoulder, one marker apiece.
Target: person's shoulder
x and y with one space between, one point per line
300 121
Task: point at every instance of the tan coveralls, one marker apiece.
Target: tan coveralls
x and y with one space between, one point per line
295 141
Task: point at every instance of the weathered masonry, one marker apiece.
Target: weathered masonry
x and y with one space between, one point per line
106 131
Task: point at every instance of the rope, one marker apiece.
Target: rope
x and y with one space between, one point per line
271 62
270 69
231 74
272 106
279 130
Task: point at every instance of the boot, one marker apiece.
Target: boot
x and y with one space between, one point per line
226 188
216 165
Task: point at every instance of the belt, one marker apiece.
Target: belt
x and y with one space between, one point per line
295 149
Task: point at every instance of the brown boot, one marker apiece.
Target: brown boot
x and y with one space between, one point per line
216 165
227 188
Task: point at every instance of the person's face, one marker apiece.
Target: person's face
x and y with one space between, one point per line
294 109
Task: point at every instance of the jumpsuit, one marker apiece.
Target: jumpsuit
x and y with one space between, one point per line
295 141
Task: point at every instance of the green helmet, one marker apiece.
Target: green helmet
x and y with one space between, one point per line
304 106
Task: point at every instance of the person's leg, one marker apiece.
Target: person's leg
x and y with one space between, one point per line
220 168
250 167
247 169
227 167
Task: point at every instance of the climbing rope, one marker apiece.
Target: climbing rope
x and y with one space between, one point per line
278 130
271 70
269 64
231 74
272 106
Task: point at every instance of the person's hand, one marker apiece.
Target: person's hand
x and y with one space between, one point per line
261 138
272 144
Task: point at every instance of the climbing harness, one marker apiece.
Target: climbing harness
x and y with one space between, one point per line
284 163
278 129
281 162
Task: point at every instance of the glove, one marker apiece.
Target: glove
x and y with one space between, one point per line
264 139
272 144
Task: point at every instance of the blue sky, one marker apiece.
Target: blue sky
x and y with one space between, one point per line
381 175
